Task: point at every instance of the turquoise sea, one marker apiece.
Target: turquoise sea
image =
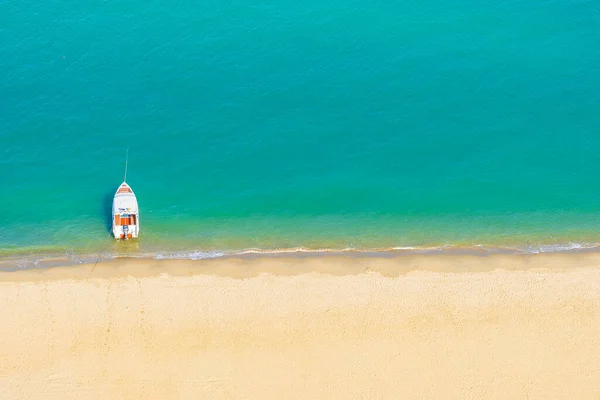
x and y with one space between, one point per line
283 125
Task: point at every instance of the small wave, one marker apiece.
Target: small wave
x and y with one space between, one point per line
556 248
478 249
193 255
291 250
72 257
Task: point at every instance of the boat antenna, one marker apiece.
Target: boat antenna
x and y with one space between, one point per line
126 162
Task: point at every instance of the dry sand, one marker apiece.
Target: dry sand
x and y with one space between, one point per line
418 327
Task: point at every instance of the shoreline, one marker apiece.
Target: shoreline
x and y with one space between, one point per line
386 264
18 262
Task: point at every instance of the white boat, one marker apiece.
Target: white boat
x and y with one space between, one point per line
126 217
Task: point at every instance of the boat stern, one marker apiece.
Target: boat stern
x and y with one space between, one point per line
125 226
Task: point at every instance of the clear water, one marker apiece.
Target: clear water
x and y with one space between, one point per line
344 124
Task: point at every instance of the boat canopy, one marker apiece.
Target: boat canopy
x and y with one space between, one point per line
125 204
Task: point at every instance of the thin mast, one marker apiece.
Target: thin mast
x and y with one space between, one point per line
126 162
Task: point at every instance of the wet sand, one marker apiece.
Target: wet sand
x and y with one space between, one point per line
326 326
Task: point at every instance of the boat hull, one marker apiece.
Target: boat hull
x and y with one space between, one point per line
125 214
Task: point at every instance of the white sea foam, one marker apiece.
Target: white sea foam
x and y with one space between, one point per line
554 248
290 250
192 255
70 257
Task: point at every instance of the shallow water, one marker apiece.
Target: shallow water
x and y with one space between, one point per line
300 125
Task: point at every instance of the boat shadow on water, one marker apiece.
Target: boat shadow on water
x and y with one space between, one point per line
107 200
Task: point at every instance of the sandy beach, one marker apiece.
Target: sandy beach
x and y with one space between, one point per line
305 327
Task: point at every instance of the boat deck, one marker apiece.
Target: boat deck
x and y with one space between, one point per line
131 220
